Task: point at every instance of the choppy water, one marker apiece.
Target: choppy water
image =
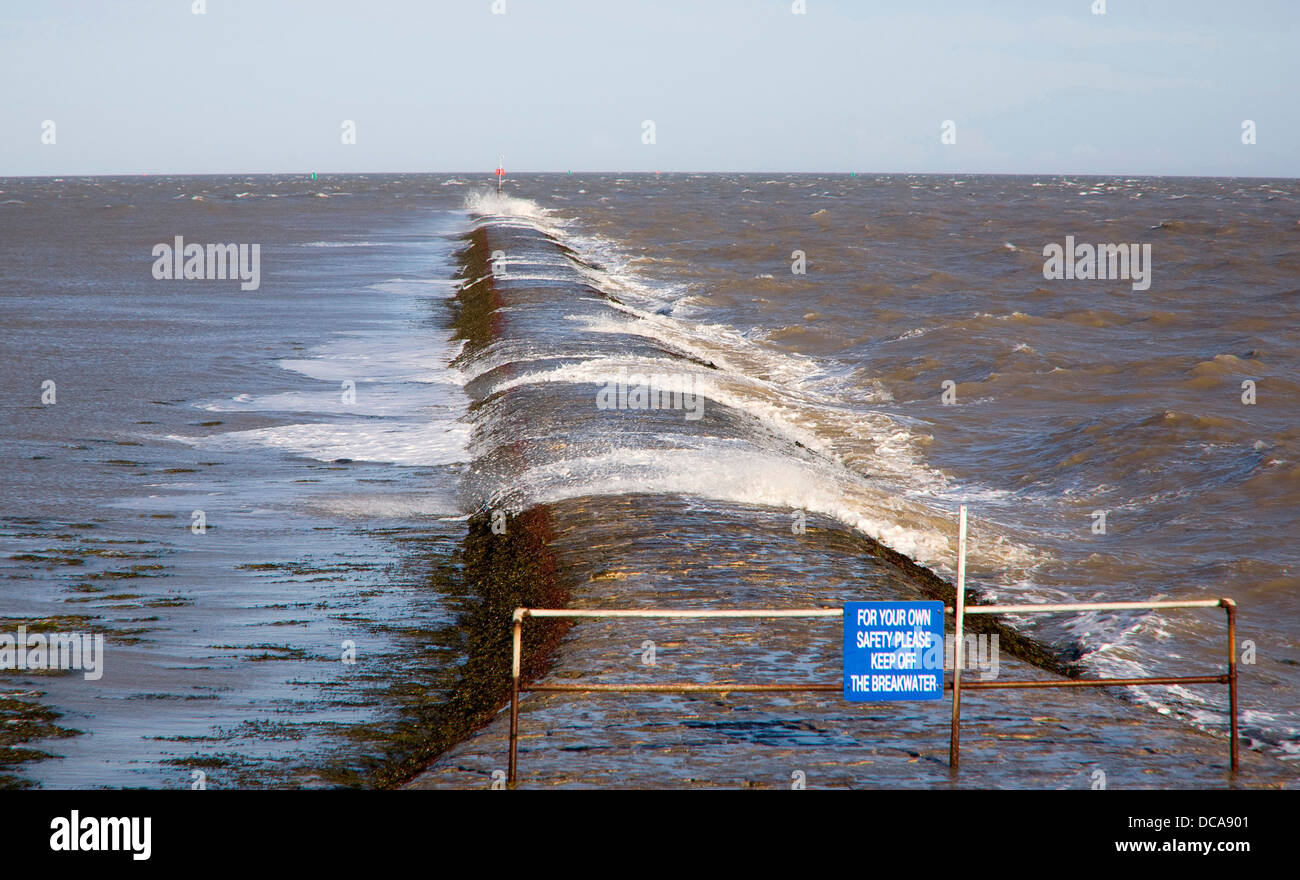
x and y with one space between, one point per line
821 393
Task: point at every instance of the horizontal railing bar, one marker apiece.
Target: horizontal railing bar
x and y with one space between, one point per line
839 612
684 688
1087 606
718 688
681 612
1093 682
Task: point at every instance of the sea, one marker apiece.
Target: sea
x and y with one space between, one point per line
300 510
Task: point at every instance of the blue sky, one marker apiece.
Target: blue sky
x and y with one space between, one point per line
1040 86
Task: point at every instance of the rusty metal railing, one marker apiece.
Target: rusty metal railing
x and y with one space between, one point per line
1230 679
680 688
956 686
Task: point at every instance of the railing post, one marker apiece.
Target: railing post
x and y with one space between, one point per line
1231 607
954 744
514 693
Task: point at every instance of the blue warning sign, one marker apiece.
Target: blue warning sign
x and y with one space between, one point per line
893 651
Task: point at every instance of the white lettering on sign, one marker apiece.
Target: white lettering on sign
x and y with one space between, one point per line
893 651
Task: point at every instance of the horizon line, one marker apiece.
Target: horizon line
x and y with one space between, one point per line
490 178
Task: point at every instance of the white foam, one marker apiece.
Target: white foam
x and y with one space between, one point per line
348 244
390 394
712 385
499 207
779 389
407 443
389 506
733 472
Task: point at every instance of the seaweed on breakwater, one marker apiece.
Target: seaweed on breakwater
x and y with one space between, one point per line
500 572
497 573
477 298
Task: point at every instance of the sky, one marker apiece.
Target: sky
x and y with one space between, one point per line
1031 86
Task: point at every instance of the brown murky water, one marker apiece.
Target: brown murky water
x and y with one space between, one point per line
825 389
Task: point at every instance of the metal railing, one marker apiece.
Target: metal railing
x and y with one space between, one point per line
522 614
956 686
1230 679
960 613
